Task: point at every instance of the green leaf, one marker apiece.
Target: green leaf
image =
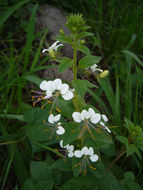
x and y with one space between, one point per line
81 86
88 61
109 181
84 34
10 10
64 39
71 133
133 55
131 149
122 139
62 165
34 79
28 185
13 116
80 183
65 63
84 49
40 171
44 185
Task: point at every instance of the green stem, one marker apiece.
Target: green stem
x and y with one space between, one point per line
75 100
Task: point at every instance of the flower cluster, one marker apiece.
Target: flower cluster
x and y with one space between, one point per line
88 118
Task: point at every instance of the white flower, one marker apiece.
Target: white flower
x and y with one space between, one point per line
94 68
54 47
77 153
69 149
94 158
94 117
53 89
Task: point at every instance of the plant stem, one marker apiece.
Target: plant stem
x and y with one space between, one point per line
74 60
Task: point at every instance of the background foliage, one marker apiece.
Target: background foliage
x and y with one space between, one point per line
26 158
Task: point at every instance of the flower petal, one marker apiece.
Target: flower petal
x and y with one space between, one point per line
57 83
52 47
60 130
43 85
84 150
94 157
68 95
58 46
95 118
107 129
77 117
105 118
64 88
70 154
51 118
90 151
70 148
85 115
78 154
57 117
91 112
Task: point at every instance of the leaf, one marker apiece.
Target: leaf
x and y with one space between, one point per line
40 171
131 149
10 10
65 63
80 183
44 185
109 181
81 86
85 34
13 116
88 61
28 185
84 49
65 39
122 139
71 133
133 55
62 165
34 79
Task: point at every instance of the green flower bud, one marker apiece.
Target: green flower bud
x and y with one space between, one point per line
82 41
103 74
61 32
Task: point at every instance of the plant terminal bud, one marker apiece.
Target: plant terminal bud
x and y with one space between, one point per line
103 74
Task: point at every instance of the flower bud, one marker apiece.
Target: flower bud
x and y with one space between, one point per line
61 31
82 41
103 74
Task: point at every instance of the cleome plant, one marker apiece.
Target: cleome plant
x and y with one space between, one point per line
76 125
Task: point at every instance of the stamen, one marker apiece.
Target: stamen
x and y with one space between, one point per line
44 121
50 102
99 132
76 165
50 112
84 171
92 167
58 110
73 131
33 104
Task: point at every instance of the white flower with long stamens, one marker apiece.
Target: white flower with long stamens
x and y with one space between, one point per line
87 118
54 47
53 89
69 149
87 155
56 125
